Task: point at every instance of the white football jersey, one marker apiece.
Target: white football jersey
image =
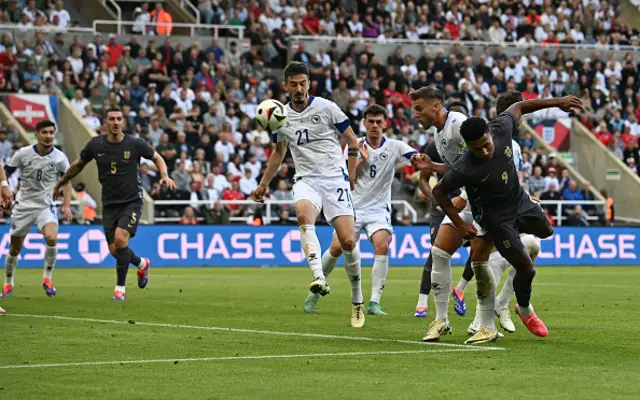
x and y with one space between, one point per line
312 136
38 176
373 185
517 155
449 141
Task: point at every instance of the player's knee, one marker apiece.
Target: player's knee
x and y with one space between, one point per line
51 240
381 249
348 244
14 249
335 250
120 242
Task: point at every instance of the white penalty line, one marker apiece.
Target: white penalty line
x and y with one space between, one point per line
239 330
235 358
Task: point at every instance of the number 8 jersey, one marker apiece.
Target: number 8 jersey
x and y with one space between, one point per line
312 136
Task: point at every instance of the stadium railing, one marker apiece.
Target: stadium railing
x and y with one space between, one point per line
268 204
111 5
192 27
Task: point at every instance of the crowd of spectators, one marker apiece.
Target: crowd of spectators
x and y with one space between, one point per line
35 13
196 103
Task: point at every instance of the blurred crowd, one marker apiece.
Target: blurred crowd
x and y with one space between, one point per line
196 103
36 13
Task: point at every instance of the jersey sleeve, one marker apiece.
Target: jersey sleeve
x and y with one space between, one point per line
517 155
63 164
505 124
86 155
144 150
338 118
14 163
404 152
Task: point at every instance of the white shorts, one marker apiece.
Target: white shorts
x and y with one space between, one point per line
23 220
467 216
372 223
332 196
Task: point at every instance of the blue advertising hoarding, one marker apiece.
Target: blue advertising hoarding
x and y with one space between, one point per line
238 245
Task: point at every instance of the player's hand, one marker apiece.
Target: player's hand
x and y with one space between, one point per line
57 192
6 197
421 161
364 150
467 230
169 183
571 104
68 215
459 203
259 193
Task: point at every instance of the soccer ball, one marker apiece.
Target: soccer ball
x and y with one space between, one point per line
271 115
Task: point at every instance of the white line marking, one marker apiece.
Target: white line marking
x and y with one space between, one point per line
268 357
239 330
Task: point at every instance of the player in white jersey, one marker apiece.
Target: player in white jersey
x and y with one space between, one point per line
40 167
372 197
321 182
428 105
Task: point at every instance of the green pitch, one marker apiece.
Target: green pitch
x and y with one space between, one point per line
174 339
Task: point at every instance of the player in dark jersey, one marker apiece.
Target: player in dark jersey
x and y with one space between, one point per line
436 215
500 206
118 157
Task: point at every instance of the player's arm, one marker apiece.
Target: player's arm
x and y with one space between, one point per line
569 104
5 194
450 183
352 163
86 155
162 170
275 160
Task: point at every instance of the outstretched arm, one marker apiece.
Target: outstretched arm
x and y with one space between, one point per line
74 169
570 104
275 160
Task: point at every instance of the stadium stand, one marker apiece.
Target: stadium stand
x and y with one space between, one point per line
196 102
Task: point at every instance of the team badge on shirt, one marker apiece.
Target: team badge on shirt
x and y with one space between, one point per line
315 119
126 155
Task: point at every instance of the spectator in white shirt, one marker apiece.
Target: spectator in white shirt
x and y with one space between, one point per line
576 34
63 15
224 147
91 119
551 178
220 182
80 103
355 26
75 59
253 165
31 11
248 183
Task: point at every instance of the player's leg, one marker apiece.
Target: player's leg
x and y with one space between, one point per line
380 238
508 243
50 233
329 260
21 223
507 292
447 242
10 265
481 247
458 291
425 281
497 266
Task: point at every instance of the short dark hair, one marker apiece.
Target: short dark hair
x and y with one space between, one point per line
374 110
112 109
473 128
427 93
506 99
45 123
295 68
458 104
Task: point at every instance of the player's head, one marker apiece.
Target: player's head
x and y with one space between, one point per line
506 100
113 120
375 120
427 102
458 106
477 135
45 132
296 82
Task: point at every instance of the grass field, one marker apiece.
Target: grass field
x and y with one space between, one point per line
240 333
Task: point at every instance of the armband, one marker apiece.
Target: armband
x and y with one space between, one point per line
353 152
4 184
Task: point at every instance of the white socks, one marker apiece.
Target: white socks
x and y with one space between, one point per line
423 301
379 277
311 247
50 255
120 288
526 312
352 265
462 285
328 263
441 281
10 265
507 292
486 291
